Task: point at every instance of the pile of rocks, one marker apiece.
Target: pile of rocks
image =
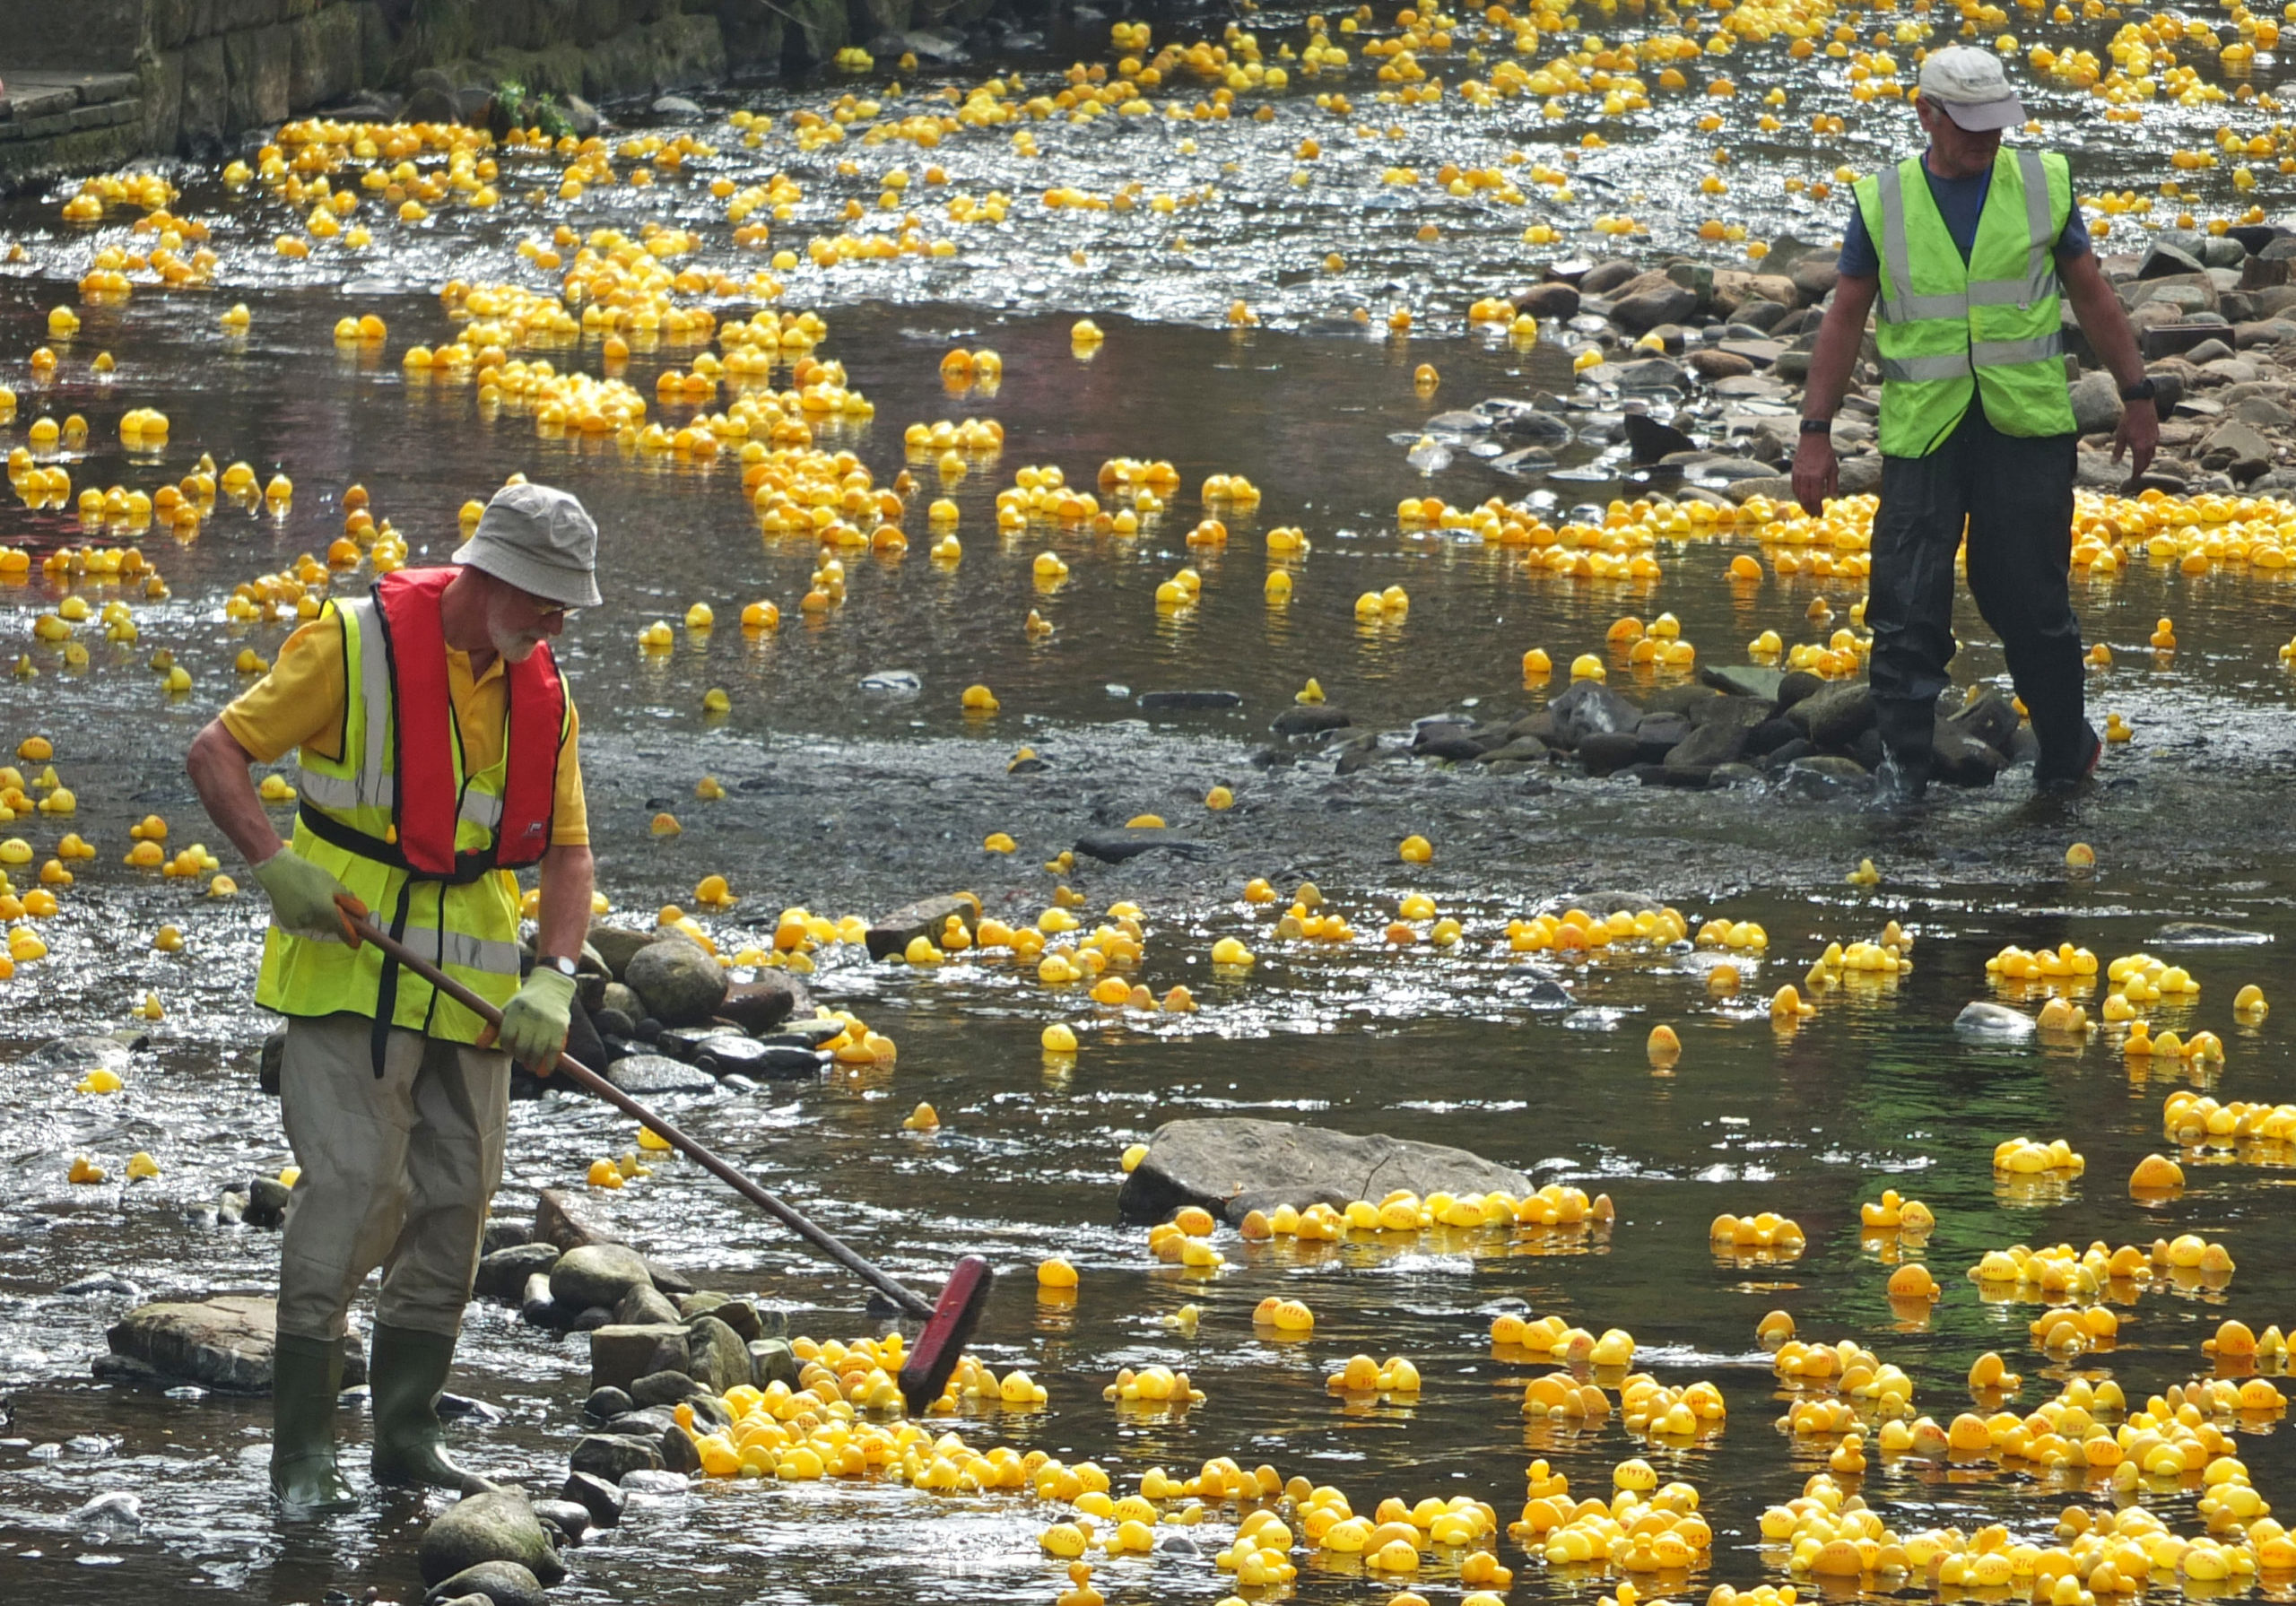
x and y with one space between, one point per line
658 1015
1739 726
1712 415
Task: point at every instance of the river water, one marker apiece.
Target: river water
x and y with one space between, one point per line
847 800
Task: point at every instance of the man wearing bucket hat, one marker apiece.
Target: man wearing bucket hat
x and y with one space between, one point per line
436 756
1971 249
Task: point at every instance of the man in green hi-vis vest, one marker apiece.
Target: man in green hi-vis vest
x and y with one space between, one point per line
1971 250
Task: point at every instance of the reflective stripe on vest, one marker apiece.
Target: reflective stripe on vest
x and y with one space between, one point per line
1950 329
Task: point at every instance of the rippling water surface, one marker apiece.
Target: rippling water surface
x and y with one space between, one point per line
1873 1090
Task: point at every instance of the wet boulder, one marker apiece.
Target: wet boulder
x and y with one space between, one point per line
1114 848
717 1356
1607 753
1743 680
615 946
78 1054
1961 759
1837 715
2196 933
645 1305
598 1496
681 984
1590 708
489 1583
1709 742
1643 303
619 1355
611 1457
597 1274
764 1002
226 1342
1310 719
647 1074
568 1222
925 917
502 1275
1217 1163
1554 299
1985 1022
495 1525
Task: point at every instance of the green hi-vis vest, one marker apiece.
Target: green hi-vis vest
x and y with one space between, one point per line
467 925
1988 327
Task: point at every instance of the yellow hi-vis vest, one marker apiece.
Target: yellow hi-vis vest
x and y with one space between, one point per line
1989 326
467 927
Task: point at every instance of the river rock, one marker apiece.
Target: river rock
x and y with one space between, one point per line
2195 934
763 1002
1552 299
1590 708
621 1355
1645 302
611 1457
1837 715
80 1053
925 917
597 1274
681 985
594 1495
645 1305
1993 1023
502 1275
644 1074
1114 848
717 1355
2096 404
1181 702
615 946
2237 449
1962 759
773 1360
2166 260
1607 753
678 1452
1649 440
1217 1162
496 1582
496 1526
1310 719
1718 363
570 1518
1714 741
1743 680
569 1222
225 1344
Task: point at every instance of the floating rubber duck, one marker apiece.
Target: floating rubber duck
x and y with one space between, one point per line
1865 875
2118 729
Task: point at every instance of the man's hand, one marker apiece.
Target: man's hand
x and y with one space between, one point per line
1817 473
302 896
2138 435
535 1023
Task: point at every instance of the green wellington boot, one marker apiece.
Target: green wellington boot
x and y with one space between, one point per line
306 1376
405 1370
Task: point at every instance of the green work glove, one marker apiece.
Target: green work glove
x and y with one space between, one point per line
534 1022
302 896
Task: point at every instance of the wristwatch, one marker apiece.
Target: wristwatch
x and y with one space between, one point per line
2143 390
1817 426
558 962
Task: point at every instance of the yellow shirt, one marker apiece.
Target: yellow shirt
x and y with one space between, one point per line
302 701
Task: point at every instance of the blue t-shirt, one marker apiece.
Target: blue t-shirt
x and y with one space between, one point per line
1961 201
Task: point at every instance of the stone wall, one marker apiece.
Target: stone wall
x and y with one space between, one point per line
207 72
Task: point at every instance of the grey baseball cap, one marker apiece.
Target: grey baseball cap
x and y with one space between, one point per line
541 540
1969 87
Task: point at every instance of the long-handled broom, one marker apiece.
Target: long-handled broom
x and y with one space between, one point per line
949 1322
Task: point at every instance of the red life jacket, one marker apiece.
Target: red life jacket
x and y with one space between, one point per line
425 802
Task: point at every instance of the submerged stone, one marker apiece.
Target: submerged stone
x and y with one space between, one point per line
1216 1162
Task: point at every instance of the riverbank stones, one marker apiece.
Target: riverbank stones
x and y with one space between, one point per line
597 1274
680 984
494 1526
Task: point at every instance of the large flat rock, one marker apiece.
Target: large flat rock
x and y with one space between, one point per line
225 1344
1232 1166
